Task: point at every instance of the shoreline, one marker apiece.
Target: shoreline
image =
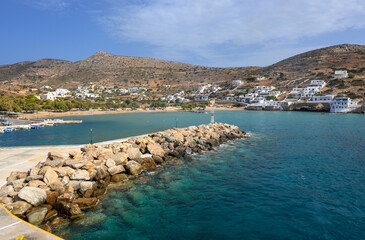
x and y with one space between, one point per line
47 114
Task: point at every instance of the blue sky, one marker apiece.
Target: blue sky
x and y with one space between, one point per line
220 33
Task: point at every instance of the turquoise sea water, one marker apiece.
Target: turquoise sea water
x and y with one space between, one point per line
301 176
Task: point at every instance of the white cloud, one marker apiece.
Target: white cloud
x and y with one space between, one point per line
201 26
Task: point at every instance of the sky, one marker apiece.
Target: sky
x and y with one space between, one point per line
217 33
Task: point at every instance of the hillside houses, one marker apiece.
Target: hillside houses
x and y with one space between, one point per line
341 74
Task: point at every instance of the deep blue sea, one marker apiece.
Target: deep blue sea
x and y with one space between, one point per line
301 176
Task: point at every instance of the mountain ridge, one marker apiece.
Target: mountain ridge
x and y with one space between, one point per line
123 71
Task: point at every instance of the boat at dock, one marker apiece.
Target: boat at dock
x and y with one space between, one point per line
37 124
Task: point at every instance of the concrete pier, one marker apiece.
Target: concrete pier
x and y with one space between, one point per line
12 227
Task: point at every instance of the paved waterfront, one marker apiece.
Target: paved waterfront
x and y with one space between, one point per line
12 227
23 158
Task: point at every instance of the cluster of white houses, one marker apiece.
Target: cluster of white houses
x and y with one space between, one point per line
60 92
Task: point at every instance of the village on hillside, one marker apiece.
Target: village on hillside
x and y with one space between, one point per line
258 97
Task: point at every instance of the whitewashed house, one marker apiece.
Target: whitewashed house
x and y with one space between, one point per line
323 99
199 98
237 82
171 98
229 98
122 90
50 96
61 92
46 87
343 104
260 78
201 89
295 94
133 89
250 96
318 83
308 92
215 89
341 74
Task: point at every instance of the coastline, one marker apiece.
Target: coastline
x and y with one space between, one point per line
47 114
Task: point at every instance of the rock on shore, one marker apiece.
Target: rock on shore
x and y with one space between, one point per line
63 186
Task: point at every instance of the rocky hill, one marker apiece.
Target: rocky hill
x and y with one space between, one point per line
110 70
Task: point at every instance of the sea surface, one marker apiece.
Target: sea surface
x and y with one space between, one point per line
301 176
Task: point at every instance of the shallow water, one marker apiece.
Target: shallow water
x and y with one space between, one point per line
301 176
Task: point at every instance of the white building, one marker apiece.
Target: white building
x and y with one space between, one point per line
323 99
258 100
122 90
46 87
61 92
318 83
200 98
260 78
133 89
201 89
309 91
215 89
50 96
250 96
263 88
229 97
343 104
237 82
171 98
295 94
341 74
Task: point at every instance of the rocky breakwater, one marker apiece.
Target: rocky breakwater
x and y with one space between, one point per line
63 186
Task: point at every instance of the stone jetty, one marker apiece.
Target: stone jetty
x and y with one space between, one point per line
63 186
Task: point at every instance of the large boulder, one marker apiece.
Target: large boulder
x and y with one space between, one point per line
18 184
33 195
15 176
116 169
133 152
20 207
120 158
33 171
51 197
85 203
101 172
118 177
155 149
36 183
50 177
75 154
80 175
37 215
110 163
64 171
133 167
55 156
71 210
54 163
147 163
34 177
84 186
76 163
157 159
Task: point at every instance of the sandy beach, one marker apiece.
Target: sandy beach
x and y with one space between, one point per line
47 114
